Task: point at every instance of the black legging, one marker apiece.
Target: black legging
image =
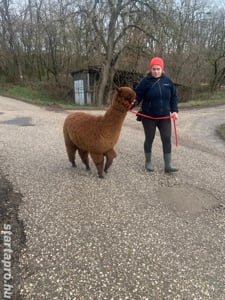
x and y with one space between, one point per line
164 127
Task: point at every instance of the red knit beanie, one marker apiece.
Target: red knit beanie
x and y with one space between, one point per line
156 61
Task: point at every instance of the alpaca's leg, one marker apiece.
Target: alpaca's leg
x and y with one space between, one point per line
84 158
71 151
110 155
70 148
99 163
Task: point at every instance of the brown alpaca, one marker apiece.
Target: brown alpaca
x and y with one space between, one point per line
97 135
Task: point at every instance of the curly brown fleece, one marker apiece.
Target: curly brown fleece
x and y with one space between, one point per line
97 135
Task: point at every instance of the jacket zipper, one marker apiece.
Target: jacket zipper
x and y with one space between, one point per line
161 101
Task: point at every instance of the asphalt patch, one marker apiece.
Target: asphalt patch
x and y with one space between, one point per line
20 121
188 199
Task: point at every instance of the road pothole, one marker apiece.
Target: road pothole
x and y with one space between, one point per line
19 121
187 199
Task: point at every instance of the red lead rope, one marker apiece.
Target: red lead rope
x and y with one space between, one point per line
160 118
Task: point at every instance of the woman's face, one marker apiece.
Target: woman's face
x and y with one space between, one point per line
156 71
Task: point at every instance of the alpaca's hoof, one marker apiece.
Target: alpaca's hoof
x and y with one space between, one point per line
101 176
106 169
74 165
88 168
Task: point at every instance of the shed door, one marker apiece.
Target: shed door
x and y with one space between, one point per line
79 92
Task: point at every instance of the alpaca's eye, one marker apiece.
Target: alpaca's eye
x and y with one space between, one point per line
127 98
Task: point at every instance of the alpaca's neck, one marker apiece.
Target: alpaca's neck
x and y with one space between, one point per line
113 120
115 115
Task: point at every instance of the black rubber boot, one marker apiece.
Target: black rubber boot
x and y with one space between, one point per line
148 164
167 161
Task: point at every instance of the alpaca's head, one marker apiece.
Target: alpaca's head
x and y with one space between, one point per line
123 98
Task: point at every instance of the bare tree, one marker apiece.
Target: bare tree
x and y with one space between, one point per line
110 20
216 50
10 43
45 39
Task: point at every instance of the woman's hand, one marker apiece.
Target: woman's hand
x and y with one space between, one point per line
174 115
133 104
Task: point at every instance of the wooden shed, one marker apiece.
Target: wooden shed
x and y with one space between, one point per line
85 83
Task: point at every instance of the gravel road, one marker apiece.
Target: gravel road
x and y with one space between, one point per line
133 235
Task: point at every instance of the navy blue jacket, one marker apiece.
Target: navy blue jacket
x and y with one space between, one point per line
158 96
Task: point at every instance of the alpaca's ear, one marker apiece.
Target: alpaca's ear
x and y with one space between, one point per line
117 89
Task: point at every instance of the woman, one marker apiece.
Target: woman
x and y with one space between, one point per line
158 96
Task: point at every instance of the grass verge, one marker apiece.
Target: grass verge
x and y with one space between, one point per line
217 98
39 97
